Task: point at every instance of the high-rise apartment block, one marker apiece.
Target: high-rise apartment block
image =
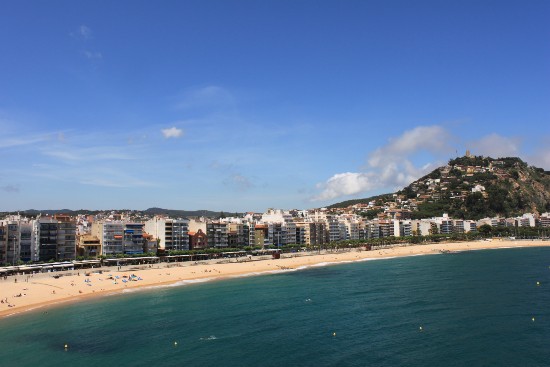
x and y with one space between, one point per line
172 234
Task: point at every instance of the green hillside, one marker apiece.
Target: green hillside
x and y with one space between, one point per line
475 187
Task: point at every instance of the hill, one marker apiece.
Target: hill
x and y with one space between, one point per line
34 212
185 213
378 198
174 213
473 187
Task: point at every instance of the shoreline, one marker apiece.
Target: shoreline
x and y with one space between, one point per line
40 291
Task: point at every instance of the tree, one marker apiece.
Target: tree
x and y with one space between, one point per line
370 214
485 229
455 172
476 206
408 192
435 174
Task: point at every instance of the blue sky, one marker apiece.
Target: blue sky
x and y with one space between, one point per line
246 105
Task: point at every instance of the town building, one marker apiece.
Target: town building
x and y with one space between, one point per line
198 240
53 238
310 233
89 246
173 234
111 236
217 234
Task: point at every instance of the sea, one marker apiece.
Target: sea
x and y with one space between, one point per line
475 308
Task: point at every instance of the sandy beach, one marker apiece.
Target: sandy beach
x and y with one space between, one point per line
28 292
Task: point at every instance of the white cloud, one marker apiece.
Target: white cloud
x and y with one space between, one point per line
172 132
104 174
15 142
211 96
434 139
79 155
92 55
117 182
84 34
389 167
239 181
85 31
342 184
541 158
496 146
233 178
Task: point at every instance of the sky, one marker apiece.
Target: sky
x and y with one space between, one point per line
248 105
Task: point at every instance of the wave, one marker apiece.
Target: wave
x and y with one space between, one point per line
211 337
274 271
258 273
179 283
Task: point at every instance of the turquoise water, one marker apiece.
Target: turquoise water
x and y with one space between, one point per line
475 308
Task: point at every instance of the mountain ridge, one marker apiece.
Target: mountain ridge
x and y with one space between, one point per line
149 211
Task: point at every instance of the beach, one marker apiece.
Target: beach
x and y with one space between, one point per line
23 293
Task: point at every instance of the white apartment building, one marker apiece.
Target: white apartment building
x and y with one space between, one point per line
281 229
16 240
527 220
111 236
276 216
53 238
402 228
10 240
470 226
348 227
173 234
41 239
422 227
310 233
